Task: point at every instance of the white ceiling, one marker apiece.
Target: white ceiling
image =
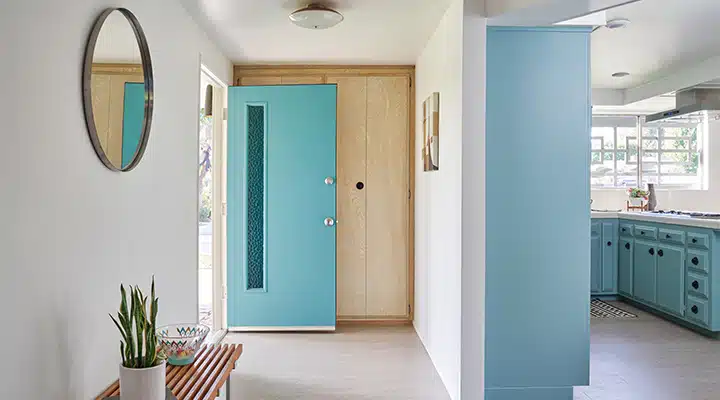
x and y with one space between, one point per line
663 36
373 32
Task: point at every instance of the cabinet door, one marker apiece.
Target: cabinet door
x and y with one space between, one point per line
609 257
625 266
351 196
644 271
595 258
387 195
671 279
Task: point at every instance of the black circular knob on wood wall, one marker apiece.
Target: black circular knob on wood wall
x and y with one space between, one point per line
695 285
695 261
627 246
660 253
609 243
694 309
360 185
651 251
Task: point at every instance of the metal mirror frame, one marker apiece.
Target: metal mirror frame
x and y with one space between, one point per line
87 88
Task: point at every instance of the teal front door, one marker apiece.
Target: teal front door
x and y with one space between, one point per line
281 207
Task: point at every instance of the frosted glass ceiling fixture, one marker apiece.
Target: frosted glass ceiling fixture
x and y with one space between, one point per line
316 16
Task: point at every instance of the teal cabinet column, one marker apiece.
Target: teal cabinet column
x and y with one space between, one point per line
537 291
596 259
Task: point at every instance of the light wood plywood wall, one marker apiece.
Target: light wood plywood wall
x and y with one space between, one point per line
375 271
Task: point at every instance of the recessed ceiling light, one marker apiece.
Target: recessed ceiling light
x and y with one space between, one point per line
617 23
620 74
316 16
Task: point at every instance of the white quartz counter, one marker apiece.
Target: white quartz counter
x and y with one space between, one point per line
660 218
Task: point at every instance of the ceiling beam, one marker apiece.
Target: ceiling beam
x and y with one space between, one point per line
700 73
544 12
608 97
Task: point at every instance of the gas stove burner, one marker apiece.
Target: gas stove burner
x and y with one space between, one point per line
692 214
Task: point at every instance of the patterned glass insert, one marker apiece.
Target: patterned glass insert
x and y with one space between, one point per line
256 197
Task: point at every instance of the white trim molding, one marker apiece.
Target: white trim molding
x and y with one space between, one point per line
282 329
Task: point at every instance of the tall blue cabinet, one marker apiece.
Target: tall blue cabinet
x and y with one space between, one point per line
537 187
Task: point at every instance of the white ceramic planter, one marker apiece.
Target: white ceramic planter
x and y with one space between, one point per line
636 201
142 384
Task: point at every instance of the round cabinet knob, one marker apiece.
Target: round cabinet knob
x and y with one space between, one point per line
694 240
652 252
360 186
642 232
329 180
609 243
695 261
623 229
667 236
695 285
694 309
627 246
329 221
660 253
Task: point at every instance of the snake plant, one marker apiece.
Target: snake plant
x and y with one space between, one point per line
138 346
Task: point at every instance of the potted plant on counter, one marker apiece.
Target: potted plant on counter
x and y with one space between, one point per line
142 372
637 196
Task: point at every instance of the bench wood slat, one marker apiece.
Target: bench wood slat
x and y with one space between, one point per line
188 383
202 379
204 385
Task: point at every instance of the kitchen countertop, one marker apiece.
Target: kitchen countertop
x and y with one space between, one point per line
659 218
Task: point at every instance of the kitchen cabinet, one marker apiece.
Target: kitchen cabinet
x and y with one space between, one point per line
671 278
644 271
603 257
667 267
626 247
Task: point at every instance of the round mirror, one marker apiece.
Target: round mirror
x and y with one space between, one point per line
118 89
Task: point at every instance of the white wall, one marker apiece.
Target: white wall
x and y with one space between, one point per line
440 261
72 230
696 200
438 202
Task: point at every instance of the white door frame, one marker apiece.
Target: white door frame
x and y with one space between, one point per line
219 233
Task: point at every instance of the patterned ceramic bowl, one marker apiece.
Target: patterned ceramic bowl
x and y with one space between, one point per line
181 341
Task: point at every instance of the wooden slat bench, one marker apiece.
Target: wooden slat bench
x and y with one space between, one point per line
201 380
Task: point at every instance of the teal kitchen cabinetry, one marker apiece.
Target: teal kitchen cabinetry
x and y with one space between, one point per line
603 257
645 271
670 279
669 268
626 247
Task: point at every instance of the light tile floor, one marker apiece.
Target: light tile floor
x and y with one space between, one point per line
355 363
650 359
642 359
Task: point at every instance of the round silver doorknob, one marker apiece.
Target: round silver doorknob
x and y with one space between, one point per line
329 180
329 222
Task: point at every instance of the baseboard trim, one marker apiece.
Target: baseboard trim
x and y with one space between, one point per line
375 322
282 329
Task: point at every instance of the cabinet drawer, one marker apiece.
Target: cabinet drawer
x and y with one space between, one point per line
697 310
645 232
697 285
672 236
701 240
626 230
698 260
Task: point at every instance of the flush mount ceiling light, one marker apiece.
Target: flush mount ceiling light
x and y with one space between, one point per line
620 74
316 16
617 23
